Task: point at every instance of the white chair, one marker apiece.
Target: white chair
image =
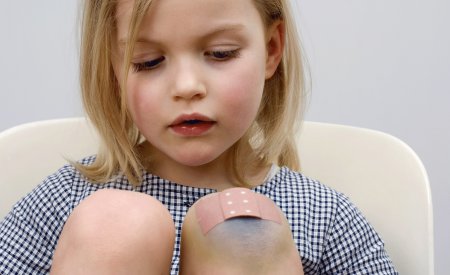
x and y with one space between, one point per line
384 178
32 151
379 173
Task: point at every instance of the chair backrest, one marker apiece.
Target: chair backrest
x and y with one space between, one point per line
379 173
384 178
32 151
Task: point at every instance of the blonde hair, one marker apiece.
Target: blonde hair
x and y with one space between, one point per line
272 135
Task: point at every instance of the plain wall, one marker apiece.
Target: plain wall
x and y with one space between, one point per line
380 64
39 61
385 65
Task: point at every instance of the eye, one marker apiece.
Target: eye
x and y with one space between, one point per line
223 55
148 65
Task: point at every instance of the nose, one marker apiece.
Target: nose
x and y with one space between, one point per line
188 81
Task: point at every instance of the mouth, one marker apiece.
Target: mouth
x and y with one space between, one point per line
192 125
191 120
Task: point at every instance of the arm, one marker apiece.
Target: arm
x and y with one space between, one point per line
29 233
352 245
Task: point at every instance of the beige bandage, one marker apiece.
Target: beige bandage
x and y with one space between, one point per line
234 202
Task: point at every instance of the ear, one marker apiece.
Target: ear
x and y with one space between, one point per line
275 47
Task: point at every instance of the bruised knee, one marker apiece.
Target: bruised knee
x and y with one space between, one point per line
241 227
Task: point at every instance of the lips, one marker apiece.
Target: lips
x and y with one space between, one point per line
192 125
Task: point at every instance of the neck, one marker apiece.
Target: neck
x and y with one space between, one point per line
214 175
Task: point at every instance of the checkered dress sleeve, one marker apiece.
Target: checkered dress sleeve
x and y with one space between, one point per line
331 234
28 234
353 246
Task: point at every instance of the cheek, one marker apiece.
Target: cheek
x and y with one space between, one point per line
140 101
243 90
135 99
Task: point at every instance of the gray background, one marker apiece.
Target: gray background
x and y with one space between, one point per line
379 64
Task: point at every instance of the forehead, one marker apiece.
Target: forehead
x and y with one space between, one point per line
180 17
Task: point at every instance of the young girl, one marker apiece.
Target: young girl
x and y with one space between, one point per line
189 98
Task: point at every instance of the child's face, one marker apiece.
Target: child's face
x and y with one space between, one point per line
197 77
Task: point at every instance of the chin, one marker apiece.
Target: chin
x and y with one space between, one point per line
196 162
196 159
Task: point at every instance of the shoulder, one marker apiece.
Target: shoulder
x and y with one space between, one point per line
296 192
35 222
55 193
325 224
310 207
294 188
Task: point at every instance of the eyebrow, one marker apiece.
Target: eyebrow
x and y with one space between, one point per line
226 28
223 29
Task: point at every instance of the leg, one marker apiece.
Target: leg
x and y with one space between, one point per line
116 232
255 238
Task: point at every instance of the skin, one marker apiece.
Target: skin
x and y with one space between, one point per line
116 232
252 245
190 70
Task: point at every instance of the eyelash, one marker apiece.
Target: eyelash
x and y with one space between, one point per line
148 65
219 56
223 55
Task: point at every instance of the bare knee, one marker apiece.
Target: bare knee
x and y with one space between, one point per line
260 243
115 230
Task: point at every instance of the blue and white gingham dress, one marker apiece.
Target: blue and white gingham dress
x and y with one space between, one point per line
331 234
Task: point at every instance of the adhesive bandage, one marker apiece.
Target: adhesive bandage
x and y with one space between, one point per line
234 202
